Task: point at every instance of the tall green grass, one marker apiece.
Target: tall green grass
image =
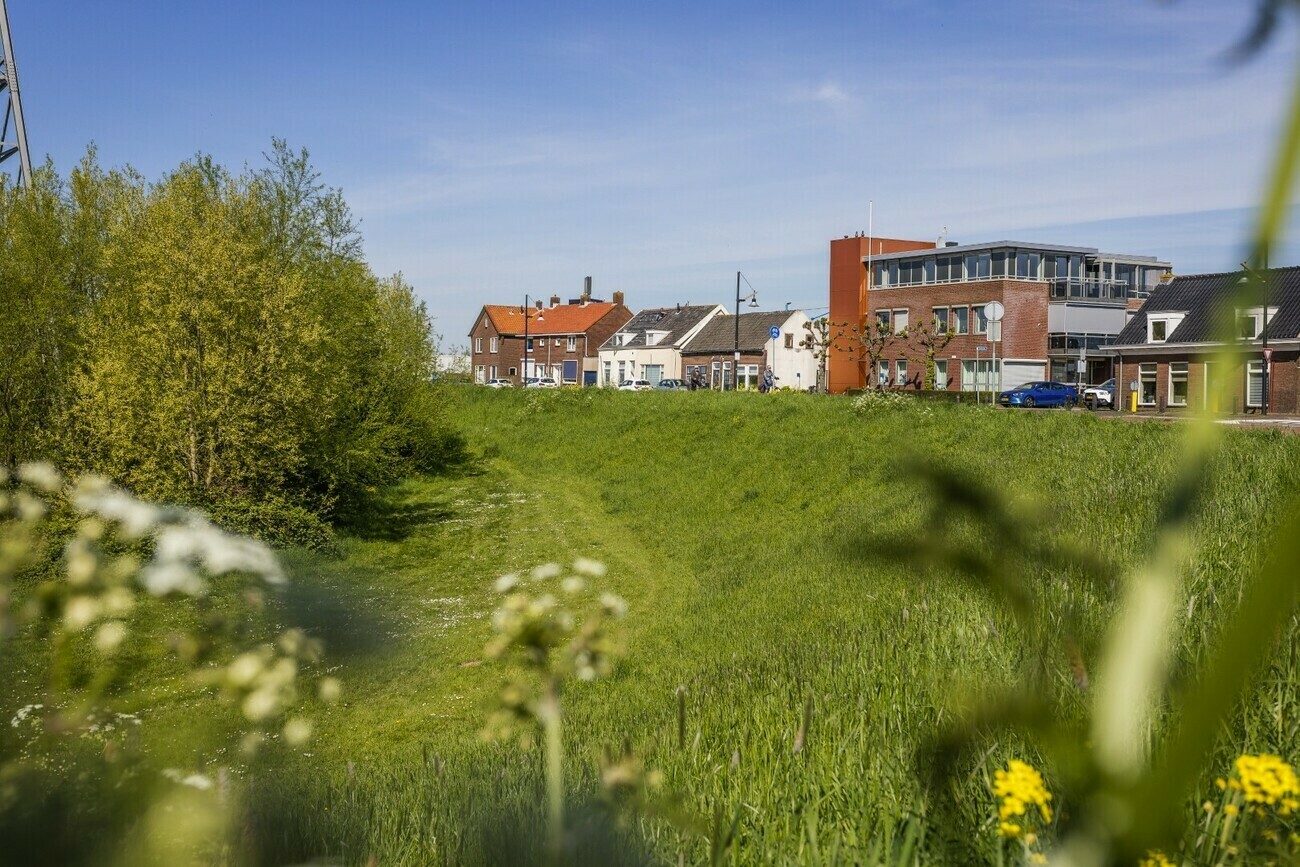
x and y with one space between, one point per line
749 536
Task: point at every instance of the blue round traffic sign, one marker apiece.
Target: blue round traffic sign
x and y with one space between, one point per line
774 332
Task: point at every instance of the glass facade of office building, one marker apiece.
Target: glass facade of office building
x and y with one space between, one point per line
1071 275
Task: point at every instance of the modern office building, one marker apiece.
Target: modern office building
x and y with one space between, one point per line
1063 307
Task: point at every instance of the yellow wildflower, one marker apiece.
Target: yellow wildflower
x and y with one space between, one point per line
1155 858
1267 780
1231 809
1019 787
1038 858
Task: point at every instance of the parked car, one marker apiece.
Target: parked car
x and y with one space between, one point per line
1095 396
541 382
500 383
635 385
1033 394
673 384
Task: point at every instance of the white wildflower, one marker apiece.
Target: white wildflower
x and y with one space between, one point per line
23 713
613 605
109 636
260 704
590 568
573 585
117 601
297 731
244 669
41 475
194 781
164 577
82 562
329 689
547 570
80 612
506 583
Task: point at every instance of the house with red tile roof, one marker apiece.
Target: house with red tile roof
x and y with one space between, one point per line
509 341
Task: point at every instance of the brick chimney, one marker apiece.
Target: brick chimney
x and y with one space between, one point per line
539 304
618 297
555 300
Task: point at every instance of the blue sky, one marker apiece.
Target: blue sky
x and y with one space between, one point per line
493 149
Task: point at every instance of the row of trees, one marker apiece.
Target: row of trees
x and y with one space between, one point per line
869 341
211 338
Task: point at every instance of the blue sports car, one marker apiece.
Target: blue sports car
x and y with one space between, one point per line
1033 394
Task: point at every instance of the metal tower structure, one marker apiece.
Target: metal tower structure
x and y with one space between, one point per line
14 142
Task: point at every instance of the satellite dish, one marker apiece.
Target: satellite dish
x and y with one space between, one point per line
993 311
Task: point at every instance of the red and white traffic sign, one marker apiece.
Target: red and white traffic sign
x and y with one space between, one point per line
1268 354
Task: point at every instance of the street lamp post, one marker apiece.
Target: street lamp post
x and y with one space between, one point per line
527 309
752 297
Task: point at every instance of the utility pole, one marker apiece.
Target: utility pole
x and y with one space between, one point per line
15 142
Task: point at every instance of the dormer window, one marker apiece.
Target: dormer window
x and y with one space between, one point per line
654 338
624 338
1250 322
1162 325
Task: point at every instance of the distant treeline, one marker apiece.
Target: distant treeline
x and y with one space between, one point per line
214 339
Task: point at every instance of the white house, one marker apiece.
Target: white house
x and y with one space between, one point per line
649 345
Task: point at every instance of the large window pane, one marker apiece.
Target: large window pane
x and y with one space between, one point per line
1255 383
1178 383
961 320
1147 384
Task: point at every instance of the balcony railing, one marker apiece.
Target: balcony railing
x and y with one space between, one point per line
1058 342
1095 290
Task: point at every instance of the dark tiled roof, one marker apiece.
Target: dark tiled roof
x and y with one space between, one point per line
720 334
1205 297
676 321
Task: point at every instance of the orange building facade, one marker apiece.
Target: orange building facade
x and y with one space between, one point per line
845 366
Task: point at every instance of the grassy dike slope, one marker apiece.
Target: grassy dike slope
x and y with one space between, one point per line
737 527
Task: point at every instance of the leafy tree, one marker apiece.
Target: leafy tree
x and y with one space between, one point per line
931 339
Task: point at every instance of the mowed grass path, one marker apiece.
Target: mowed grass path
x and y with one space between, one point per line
738 528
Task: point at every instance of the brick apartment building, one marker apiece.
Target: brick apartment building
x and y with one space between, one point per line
1063 307
562 339
1173 352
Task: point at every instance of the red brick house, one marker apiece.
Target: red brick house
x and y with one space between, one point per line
1173 350
1063 307
561 341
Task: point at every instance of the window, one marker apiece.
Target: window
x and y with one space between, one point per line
1248 325
492 372
493 346
900 371
882 373
622 371
949 269
557 341
941 375
941 319
608 371
882 319
1255 383
1147 384
789 341
981 321
748 375
1178 383
999 264
514 371
1027 265
900 320
1159 330
478 344
961 320
979 374
529 346
573 344
480 374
